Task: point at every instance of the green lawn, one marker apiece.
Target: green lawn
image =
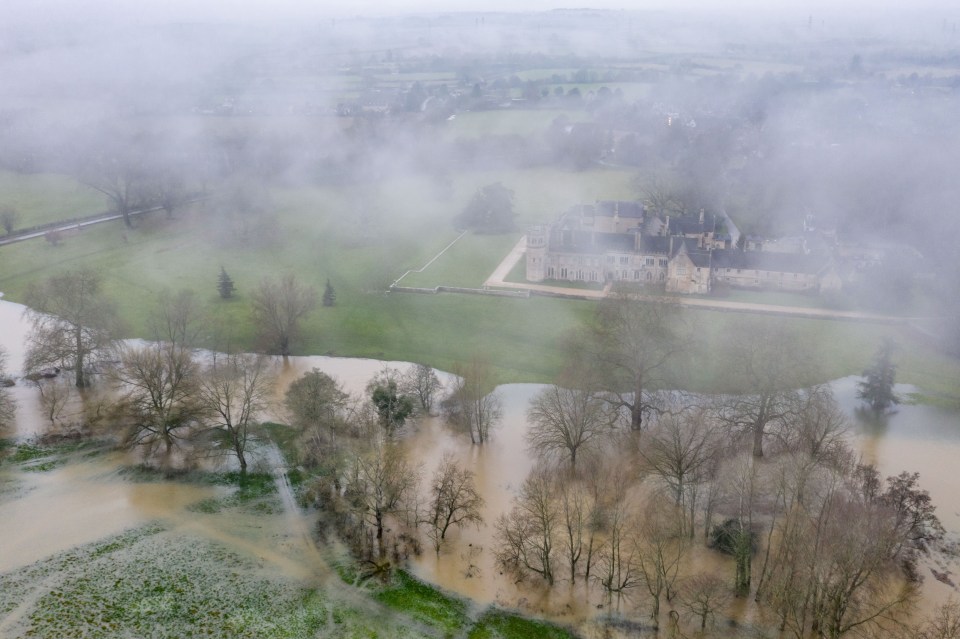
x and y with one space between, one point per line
450 615
777 298
518 274
407 226
424 603
467 263
44 197
498 624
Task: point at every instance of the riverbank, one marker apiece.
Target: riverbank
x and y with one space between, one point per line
523 338
84 504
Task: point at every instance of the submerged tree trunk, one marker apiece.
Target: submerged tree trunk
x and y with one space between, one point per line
636 410
78 335
758 440
742 552
760 425
241 457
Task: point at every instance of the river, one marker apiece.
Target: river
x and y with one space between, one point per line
91 501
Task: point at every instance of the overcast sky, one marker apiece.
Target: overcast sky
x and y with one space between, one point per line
146 11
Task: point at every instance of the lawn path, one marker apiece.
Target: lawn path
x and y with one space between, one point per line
432 260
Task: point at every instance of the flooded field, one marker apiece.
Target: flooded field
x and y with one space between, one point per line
46 516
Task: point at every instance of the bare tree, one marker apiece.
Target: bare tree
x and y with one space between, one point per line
73 324
381 482
118 169
473 404
233 391
843 562
421 382
819 427
634 347
682 449
618 568
704 595
944 623
768 361
577 508
526 535
662 545
742 491
278 308
566 422
159 384
796 478
660 193
452 500
54 397
605 484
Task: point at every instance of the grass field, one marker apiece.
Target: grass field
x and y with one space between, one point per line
467 263
156 582
43 197
161 579
407 226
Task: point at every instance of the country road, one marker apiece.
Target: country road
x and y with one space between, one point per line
74 225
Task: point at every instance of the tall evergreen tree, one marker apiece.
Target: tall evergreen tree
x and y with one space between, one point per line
225 284
329 295
876 389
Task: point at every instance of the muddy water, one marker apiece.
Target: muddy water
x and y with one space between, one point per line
466 562
90 502
920 438
80 503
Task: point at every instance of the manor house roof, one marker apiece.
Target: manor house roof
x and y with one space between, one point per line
691 224
611 208
578 241
764 261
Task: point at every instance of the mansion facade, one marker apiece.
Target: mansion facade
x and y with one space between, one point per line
620 242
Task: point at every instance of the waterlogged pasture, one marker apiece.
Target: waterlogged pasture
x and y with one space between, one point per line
96 548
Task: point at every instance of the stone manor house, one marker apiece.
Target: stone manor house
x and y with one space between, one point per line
622 242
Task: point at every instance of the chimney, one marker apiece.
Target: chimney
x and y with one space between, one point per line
666 226
701 216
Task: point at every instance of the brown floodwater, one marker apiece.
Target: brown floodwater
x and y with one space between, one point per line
51 511
56 510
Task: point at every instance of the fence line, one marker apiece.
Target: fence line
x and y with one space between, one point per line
523 294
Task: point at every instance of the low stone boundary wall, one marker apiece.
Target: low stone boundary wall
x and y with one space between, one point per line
458 289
